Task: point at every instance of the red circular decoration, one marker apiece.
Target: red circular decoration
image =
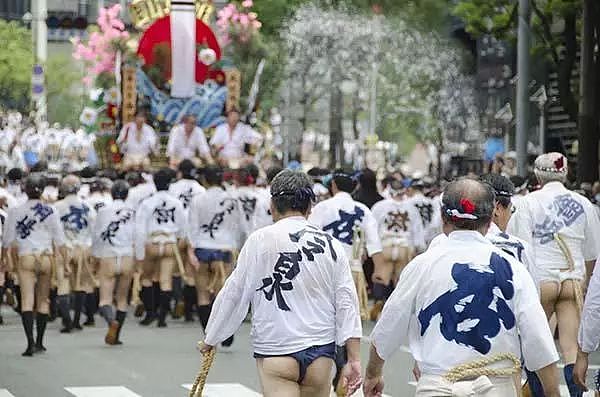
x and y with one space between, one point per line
160 33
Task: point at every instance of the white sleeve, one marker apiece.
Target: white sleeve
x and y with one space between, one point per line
202 144
232 303
373 242
520 224
537 343
417 230
347 315
122 134
140 233
251 136
392 331
217 138
589 329
171 143
591 249
316 216
56 228
8 237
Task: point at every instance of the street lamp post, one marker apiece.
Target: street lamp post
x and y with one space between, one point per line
540 99
523 86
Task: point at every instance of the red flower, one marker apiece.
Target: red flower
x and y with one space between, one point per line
467 206
559 163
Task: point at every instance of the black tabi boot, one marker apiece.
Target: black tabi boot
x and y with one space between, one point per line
108 314
40 320
90 309
27 320
17 291
148 301
204 314
120 319
65 313
155 296
189 300
77 308
53 305
165 302
177 294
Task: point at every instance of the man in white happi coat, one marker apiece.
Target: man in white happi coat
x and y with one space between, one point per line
137 142
302 296
185 189
214 233
353 224
32 233
232 139
428 208
140 189
76 273
160 225
468 311
563 229
402 236
188 142
112 247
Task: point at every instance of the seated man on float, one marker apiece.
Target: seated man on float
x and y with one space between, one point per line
234 141
137 142
188 142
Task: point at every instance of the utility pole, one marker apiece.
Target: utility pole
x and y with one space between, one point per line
523 57
39 31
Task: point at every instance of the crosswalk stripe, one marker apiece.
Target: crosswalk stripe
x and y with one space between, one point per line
225 390
101 391
5 393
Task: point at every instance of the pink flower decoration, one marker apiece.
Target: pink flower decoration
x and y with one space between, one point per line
244 20
247 3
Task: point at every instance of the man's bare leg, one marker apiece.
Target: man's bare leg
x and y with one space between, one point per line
317 381
278 376
567 315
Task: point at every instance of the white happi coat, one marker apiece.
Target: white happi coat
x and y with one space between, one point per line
139 193
338 216
514 246
589 328
233 142
554 209
462 300
98 200
399 224
185 190
300 287
114 231
34 227
263 216
430 213
181 147
249 198
129 143
77 219
215 220
159 214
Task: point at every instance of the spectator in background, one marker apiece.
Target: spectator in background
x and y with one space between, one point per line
233 140
367 192
137 142
188 142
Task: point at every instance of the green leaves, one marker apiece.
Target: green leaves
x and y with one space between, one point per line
16 62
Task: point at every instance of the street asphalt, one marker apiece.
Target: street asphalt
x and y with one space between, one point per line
152 362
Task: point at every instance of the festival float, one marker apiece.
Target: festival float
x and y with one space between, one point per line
170 63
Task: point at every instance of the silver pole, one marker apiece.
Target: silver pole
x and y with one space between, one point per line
39 11
542 130
523 86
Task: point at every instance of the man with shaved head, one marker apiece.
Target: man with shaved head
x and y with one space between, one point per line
468 311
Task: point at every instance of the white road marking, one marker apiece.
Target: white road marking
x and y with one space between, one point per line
225 390
5 393
101 391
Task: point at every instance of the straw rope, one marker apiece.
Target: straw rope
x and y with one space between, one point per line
477 368
564 248
198 386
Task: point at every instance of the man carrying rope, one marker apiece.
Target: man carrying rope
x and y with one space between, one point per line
76 275
300 285
32 231
214 232
564 230
467 310
160 225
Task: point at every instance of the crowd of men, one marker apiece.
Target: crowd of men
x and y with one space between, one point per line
474 281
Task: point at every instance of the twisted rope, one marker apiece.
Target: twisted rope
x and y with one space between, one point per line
477 368
198 386
564 248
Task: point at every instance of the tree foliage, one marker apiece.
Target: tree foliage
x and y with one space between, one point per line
16 61
64 96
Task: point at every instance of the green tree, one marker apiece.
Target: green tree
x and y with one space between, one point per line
16 61
63 84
